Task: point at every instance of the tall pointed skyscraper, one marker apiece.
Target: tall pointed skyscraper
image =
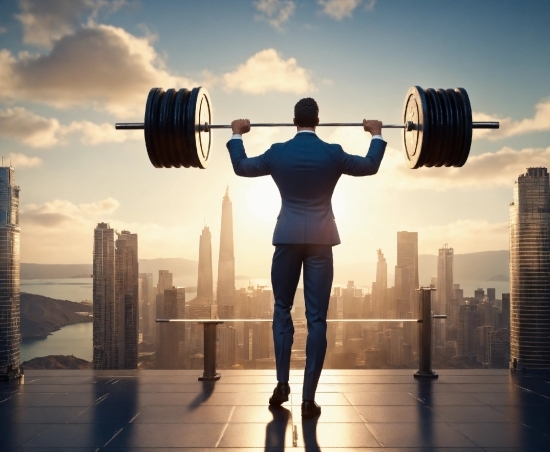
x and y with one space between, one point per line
205 284
10 312
379 287
226 264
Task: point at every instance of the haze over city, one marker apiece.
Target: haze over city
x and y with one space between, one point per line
66 76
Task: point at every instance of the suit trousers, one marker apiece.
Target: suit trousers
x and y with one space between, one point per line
285 274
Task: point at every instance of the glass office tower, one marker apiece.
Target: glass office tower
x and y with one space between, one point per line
10 313
530 271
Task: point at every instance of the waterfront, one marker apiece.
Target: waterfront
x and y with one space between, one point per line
70 340
72 289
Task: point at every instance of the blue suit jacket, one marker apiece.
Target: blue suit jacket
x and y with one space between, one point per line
306 170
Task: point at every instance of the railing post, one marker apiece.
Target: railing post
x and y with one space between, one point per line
425 334
209 373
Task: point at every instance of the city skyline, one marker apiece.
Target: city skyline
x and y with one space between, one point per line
57 112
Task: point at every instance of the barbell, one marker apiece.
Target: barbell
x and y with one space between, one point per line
437 127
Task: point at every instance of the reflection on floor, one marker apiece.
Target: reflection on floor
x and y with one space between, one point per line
471 410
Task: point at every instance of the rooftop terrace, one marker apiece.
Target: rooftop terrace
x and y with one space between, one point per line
463 410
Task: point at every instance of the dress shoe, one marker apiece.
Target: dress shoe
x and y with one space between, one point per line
280 394
310 409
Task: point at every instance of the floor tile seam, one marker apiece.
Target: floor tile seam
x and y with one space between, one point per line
365 423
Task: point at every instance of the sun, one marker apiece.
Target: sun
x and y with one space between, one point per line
263 199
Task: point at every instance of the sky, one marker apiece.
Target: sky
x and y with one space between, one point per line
70 69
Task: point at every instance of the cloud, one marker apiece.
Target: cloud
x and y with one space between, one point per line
268 71
100 66
63 231
46 21
479 172
339 9
508 127
39 132
23 161
275 12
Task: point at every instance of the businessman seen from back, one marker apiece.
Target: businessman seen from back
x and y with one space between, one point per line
306 170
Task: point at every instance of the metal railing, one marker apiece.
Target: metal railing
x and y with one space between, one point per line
424 335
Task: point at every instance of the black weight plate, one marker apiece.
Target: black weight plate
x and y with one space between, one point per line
414 141
151 115
467 126
157 135
165 128
438 151
178 128
429 158
203 138
447 116
458 132
170 151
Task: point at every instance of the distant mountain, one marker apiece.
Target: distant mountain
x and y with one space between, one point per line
184 270
480 266
54 362
41 316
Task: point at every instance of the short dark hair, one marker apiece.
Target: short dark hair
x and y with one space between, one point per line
306 112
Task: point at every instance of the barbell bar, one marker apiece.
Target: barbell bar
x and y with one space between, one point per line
437 127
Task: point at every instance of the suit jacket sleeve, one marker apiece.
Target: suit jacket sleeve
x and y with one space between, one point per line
355 165
247 166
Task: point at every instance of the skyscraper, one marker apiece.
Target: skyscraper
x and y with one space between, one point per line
226 264
147 306
171 348
407 257
104 302
205 285
10 312
115 299
530 271
445 291
126 289
379 289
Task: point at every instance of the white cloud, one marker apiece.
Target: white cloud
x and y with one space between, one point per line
268 71
100 66
62 232
46 21
21 161
508 127
39 132
338 9
275 12
488 170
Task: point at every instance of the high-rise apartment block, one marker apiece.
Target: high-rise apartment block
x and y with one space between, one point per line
378 299
115 299
127 295
530 271
407 258
205 283
445 291
10 311
147 304
226 264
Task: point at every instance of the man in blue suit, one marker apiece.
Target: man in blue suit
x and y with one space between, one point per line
306 170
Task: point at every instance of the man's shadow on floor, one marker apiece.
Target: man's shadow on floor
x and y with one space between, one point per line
276 431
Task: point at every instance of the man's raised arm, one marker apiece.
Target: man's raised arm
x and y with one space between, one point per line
354 165
243 165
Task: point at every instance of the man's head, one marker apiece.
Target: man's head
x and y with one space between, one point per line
306 113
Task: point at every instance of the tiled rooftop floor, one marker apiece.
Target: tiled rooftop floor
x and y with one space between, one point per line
464 410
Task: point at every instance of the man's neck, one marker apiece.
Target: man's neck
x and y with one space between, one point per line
310 129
